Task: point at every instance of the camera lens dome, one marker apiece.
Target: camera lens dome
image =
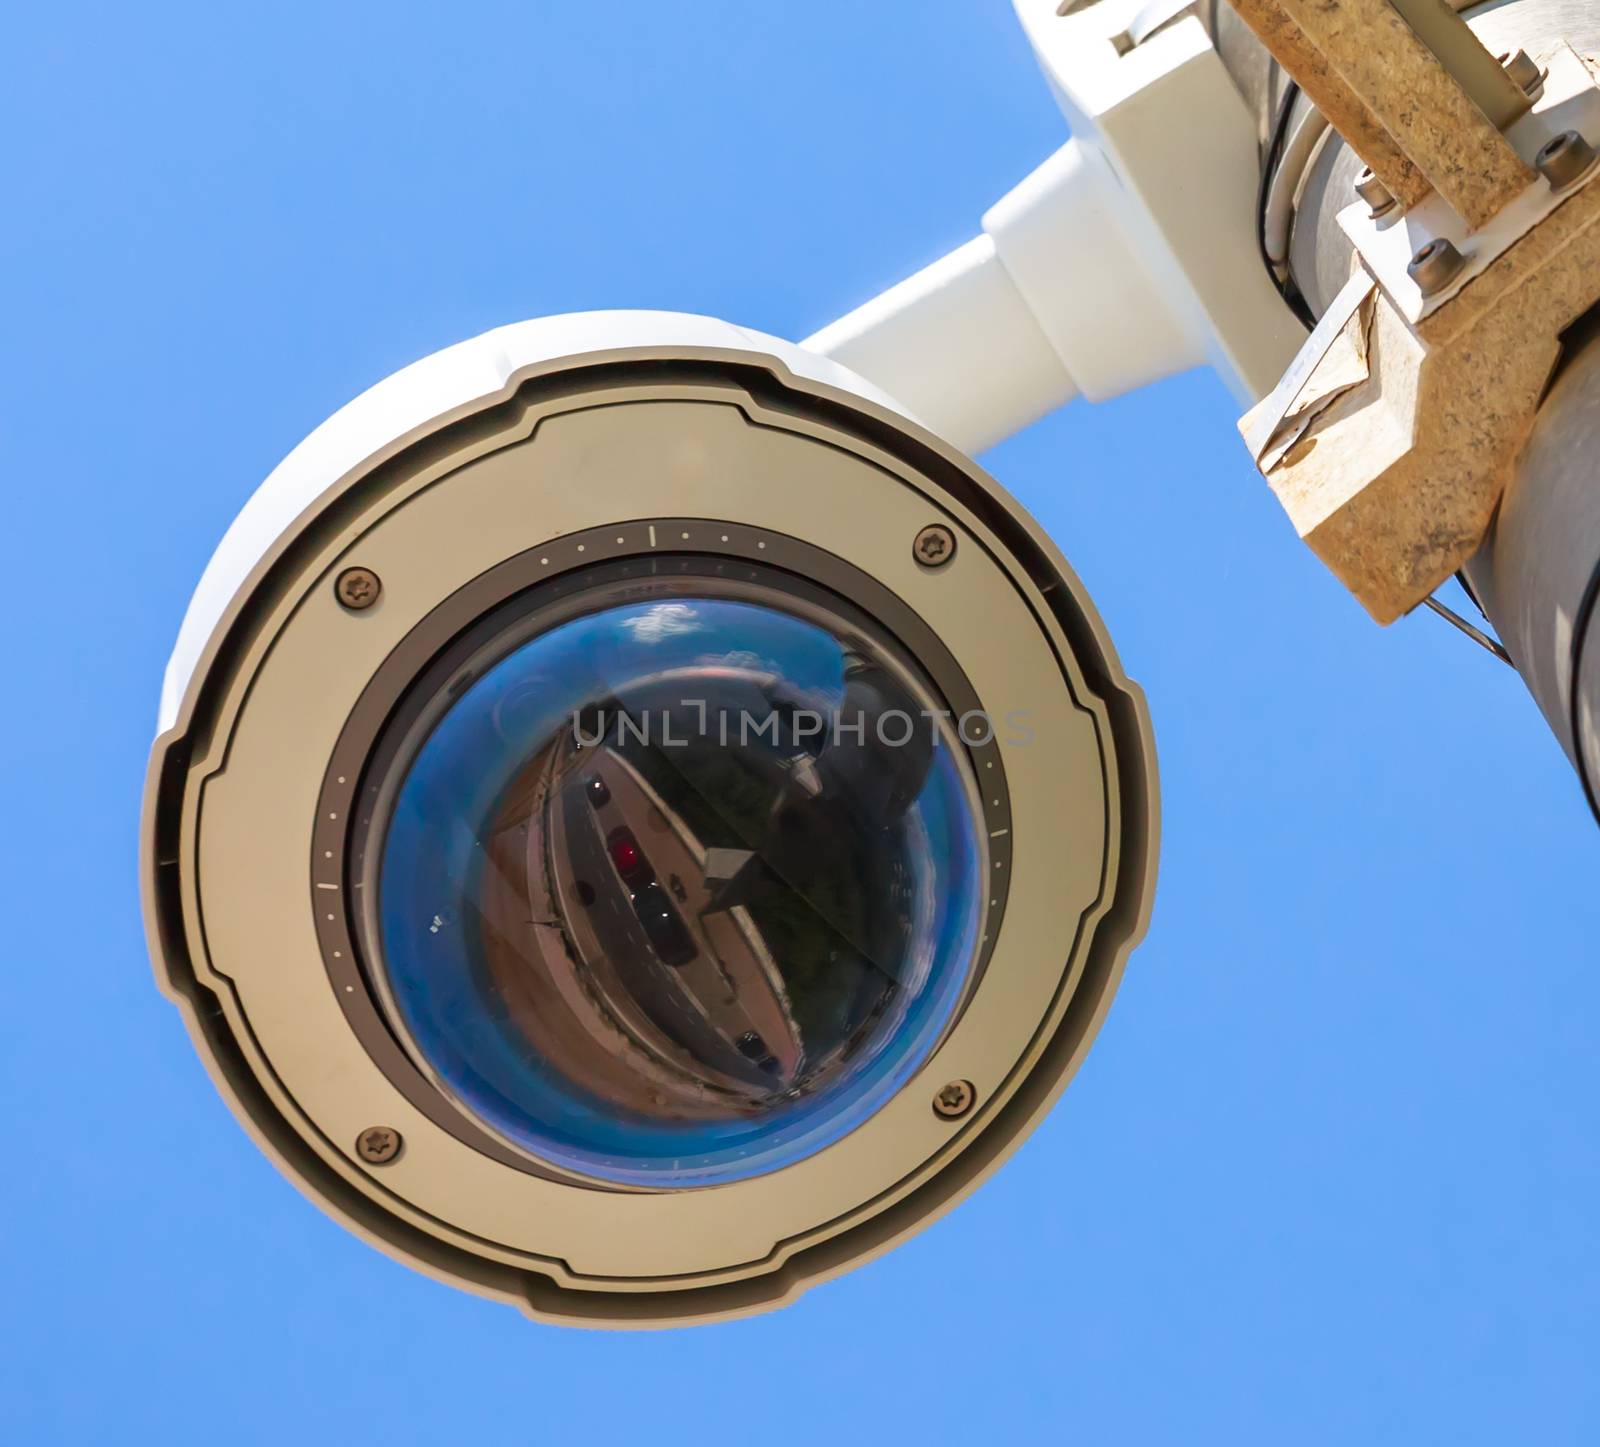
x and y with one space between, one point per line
676 881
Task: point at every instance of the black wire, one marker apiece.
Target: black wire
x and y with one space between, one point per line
1269 170
1471 592
1580 638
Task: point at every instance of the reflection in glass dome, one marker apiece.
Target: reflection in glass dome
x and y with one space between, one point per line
680 890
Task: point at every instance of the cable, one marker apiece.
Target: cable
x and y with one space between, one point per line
1477 635
1269 169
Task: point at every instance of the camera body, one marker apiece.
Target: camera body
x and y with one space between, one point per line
605 1084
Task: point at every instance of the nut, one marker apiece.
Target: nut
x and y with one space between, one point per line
377 1145
1524 72
934 546
1379 198
1437 265
1566 160
955 1100
358 588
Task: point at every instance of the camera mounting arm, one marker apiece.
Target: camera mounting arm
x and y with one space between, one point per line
1129 255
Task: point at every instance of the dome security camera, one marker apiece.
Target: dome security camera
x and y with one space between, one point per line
638 825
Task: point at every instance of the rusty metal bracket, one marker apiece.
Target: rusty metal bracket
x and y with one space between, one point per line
1412 90
1393 477
1388 244
1392 438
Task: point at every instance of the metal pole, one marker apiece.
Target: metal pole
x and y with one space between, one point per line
1538 574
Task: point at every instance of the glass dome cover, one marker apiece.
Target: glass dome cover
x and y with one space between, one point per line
676 883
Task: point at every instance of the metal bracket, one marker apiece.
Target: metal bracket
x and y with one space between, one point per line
1148 90
1388 244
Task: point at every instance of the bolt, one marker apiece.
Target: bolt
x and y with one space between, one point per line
1524 72
1566 160
378 1145
1437 265
934 546
357 588
1379 198
955 1100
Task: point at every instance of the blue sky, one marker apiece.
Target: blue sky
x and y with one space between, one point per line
1331 1173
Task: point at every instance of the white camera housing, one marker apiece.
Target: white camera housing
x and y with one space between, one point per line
530 454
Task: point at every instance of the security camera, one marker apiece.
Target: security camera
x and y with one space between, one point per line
639 825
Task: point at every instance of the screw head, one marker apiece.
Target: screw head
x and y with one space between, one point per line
934 546
377 1145
1380 200
1566 160
955 1100
1435 266
357 588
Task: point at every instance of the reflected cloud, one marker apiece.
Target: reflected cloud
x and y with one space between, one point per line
662 621
742 659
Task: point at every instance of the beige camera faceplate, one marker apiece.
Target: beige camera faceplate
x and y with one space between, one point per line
527 469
